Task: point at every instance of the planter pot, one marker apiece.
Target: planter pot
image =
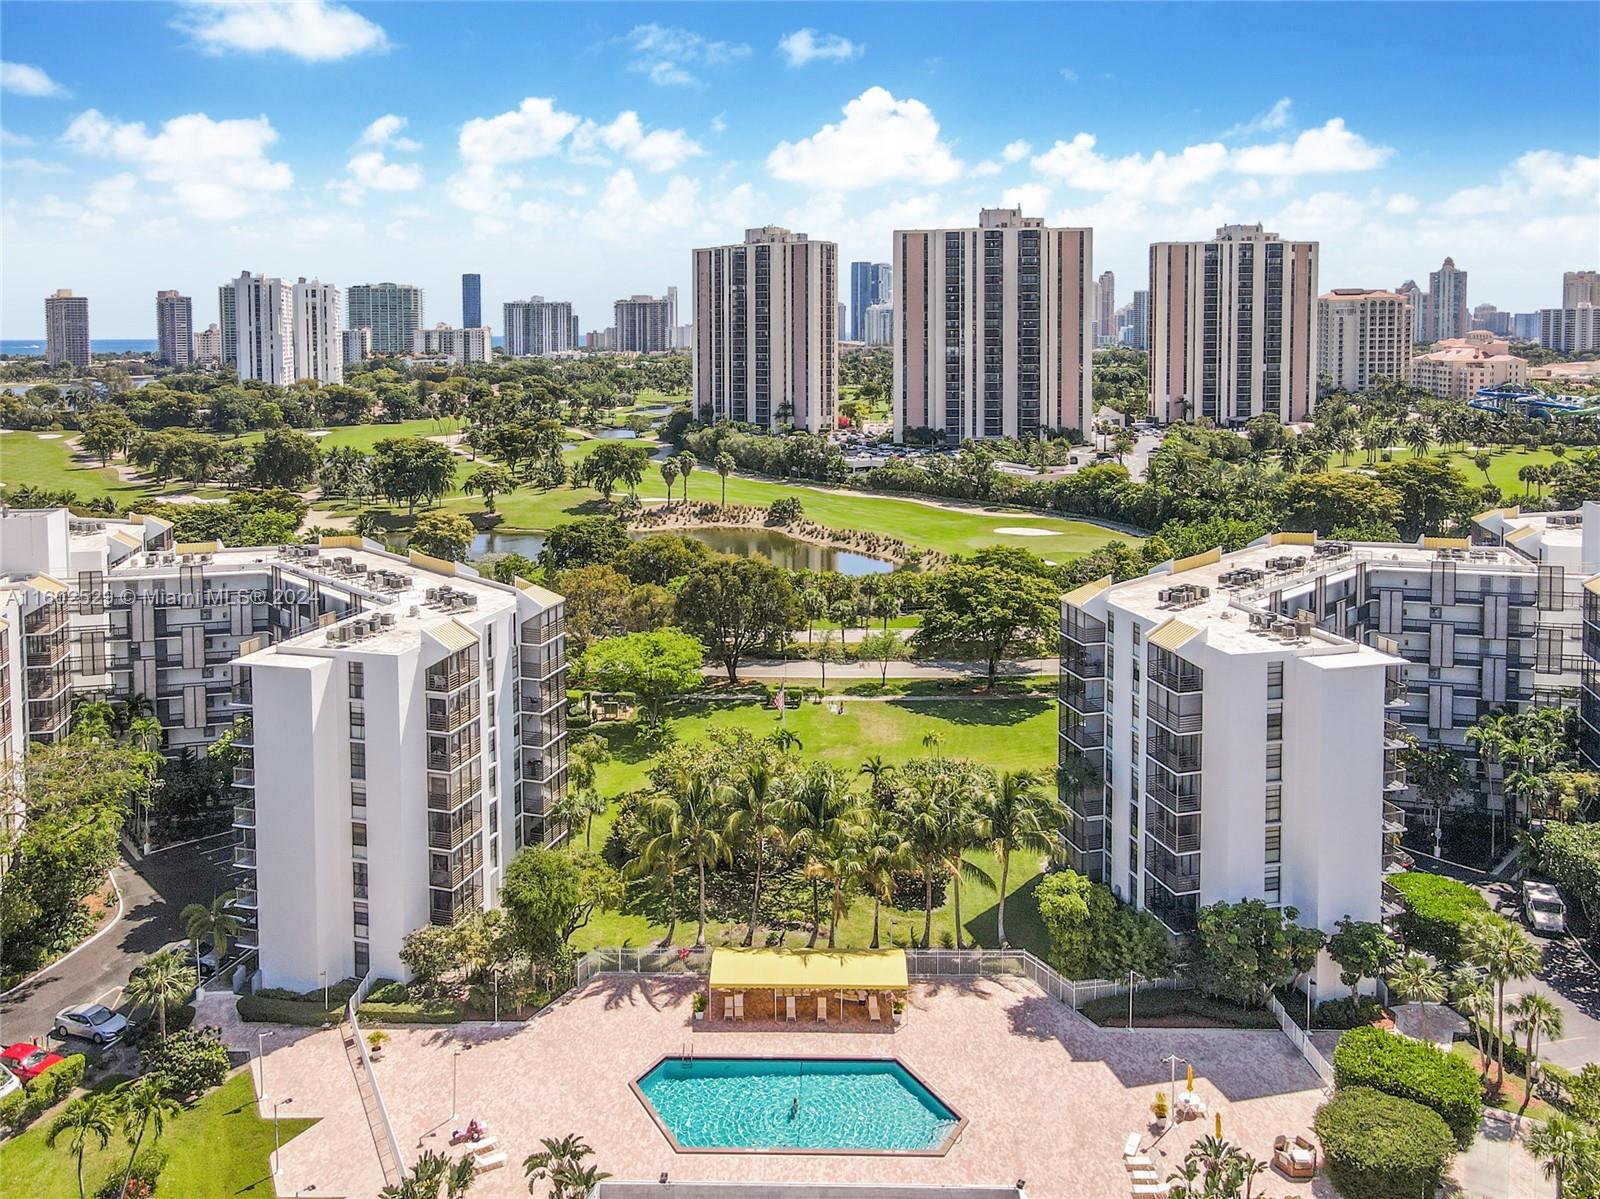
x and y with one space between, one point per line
699 1015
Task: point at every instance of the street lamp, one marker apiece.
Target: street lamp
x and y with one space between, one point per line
1172 1059
261 1065
497 996
276 1144
454 1110
324 992
1311 986
1132 975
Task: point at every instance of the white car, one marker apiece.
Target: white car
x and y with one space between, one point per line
1543 909
8 1082
91 1021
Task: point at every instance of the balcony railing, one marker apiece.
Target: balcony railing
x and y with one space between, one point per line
446 716
245 857
539 664
1175 718
542 632
1394 818
1079 695
1181 681
1179 755
446 681
244 897
244 815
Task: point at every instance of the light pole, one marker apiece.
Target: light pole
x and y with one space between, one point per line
497 997
1132 975
1172 1060
275 1142
261 1065
324 992
454 1110
1311 985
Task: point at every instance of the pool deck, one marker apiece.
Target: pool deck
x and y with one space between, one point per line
1048 1097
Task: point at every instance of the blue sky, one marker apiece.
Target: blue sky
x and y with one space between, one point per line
581 151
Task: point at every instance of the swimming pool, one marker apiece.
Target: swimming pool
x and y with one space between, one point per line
796 1105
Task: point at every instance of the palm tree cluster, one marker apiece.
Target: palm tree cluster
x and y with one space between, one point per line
140 1108
1215 1169
745 817
563 1165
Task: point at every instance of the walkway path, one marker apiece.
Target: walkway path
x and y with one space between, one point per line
811 672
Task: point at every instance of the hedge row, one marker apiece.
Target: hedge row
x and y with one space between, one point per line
269 1009
1436 911
1380 1146
1415 1070
42 1093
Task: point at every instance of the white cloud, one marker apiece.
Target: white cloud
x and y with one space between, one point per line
1401 204
658 150
1016 151
1077 164
664 53
1275 118
534 129
983 170
105 199
385 131
1321 214
880 140
20 79
1570 176
1030 197
1068 74
805 46
34 166
1332 148
7 138
310 30
370 169
719 124
215 169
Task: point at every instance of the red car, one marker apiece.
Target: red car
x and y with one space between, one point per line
27 1061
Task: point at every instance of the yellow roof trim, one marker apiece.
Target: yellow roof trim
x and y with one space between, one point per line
533 591
46 584
1285 538
1085 593
810 969
4 624
441 566
1446 543
127 539
454 635
1592 585
156 520
197 547
341 541
1518 535
1194 561
1172 635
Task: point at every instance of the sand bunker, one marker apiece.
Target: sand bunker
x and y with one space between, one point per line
50 436
1019 531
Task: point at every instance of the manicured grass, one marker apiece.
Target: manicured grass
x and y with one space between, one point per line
1503 465
1509 1097
47 461
217 1147
1175 1009
1009 733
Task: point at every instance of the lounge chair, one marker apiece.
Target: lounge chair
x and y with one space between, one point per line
822 1009
738 1006
481 1146
872 1008
788 1007
1130 1147
1138 1161
1297 1159
1151 1188
482 1165
727 1007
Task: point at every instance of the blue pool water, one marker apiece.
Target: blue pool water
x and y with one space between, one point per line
749 1103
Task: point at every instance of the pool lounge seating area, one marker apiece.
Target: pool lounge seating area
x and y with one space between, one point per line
856 990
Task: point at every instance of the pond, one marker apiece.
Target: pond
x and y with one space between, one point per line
615 434
779 547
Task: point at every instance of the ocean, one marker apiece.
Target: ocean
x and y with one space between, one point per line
97 345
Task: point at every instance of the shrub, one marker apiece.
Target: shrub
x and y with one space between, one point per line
1380 1146
43 1093
784 510
1353 1011
191 1062
387 990
147 1168
1437 910
1415 1070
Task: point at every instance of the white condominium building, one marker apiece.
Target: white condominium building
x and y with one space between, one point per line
1447 302
228 322
318 349
1363 335
393 311
208 344
400 758
1455 369
1213 750
643 324
766 315
878 325
174 328
994 328
264 317
457 346
537 327
357 345
1105 309
1580 287
1233 327
1570 330
66 328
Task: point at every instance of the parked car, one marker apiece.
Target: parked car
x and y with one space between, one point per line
1543 910
27 1061
91 1021
8 1082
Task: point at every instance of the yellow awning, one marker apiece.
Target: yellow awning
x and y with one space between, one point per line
1172 634
46 584
535 592
454 635
810 969
1525 531
1079 596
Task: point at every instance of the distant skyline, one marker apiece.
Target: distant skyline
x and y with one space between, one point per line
580 152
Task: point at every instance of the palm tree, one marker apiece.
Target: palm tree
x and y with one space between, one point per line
669 476
1414 978
1564 1149
216 923
561 1163
145 1106
839 865
931 741
658 854
785 740
883 852
876 770
724 469
958 833
1418 435
686 466
1506 955
813 808
1015 814
754 818
1474 998
432 1172
83 1120
161 980
1537 1018
703 819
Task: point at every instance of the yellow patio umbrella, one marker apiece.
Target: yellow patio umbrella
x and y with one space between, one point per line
1191 1077
1219 1126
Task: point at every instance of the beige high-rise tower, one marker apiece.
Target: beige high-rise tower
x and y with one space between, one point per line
1233 327
993 328
1363 335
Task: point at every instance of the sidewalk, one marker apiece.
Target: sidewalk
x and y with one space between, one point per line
769 670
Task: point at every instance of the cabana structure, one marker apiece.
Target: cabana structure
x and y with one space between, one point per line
808 986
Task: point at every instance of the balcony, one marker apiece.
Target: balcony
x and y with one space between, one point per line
1396 861
1083 734
541 664
1394 818
1394 779
535 699
446 681
1180 755
450 832
244 815
1081 695
542 632
457 873
1180 717
541 731
244 897
244 856
1083 661
1394 736
1180 680
448 715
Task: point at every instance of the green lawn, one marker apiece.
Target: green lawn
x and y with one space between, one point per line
217 1147
1503 465
1009 733
46 460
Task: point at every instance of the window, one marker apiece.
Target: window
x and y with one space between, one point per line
1272 883
359 915
358 879
357 680
358 835
1275 763
1275 724
358 761
363 959
1274 845
1274 680
358 722
1274 802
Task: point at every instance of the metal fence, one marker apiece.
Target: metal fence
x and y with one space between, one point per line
388 1145
668 959
1302 1041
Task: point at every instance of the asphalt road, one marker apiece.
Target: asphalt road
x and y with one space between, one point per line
154 892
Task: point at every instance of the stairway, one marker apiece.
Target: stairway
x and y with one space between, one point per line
367 1088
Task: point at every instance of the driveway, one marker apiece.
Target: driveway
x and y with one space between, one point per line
154 892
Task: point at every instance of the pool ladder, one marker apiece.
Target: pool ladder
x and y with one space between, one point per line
686 1051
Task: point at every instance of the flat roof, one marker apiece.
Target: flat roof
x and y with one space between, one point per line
810 969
